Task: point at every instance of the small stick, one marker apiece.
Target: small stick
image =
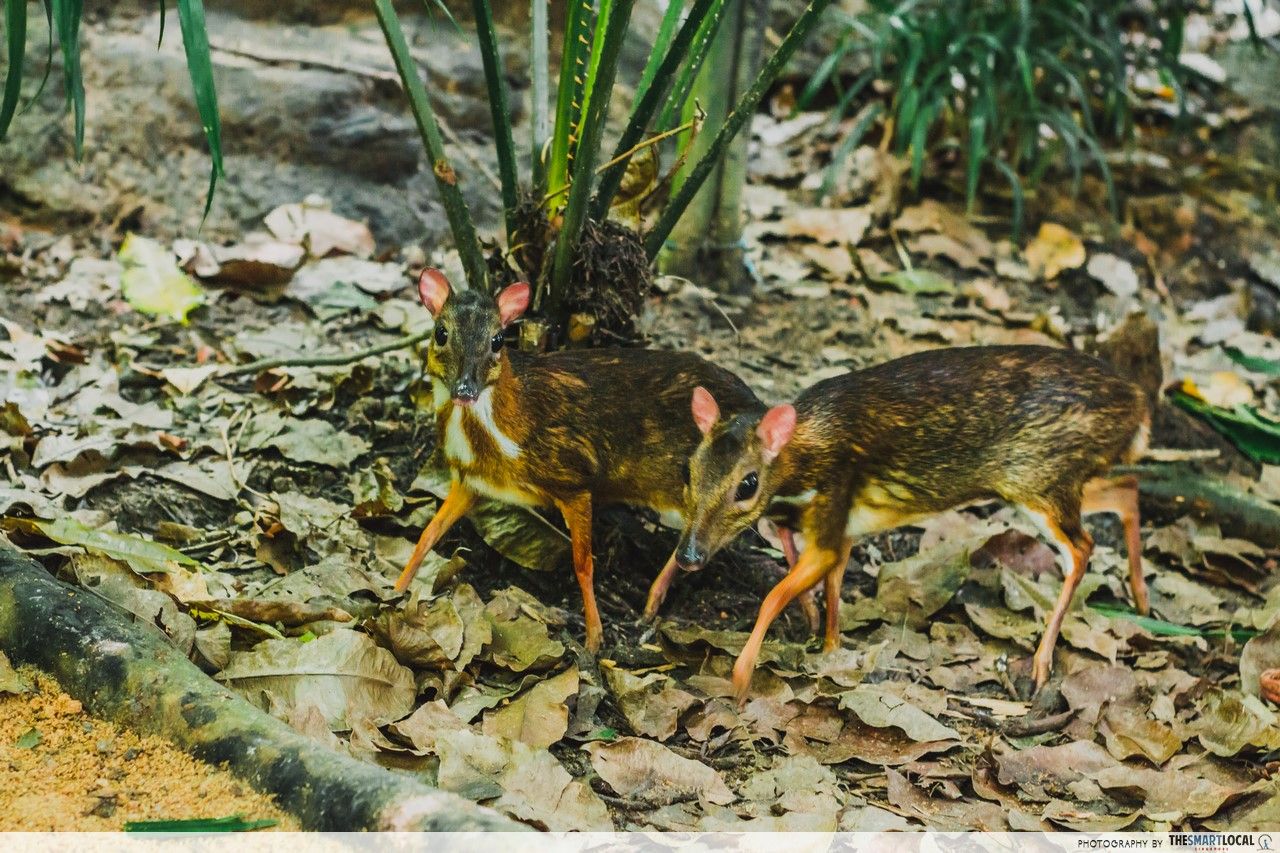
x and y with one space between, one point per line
327 360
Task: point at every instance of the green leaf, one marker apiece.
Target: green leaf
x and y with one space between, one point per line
195 41
916 281
234 823
1254 363
142 555
15 24
573 58
734 122
500 110
152 281
455 207
29 739
66 20
1256 437
598 93
1169 629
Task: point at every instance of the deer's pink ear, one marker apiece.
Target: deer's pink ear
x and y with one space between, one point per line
433 290
705 410
512 302
775 430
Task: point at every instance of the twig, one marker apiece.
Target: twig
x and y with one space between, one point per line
1025 727
327 360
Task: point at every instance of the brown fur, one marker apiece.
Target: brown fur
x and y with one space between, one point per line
577 429
900 441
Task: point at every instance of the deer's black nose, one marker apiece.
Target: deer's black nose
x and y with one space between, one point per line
466 390
691 556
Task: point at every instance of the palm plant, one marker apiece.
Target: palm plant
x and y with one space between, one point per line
568 187
1016 86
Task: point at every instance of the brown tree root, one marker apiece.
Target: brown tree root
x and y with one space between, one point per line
129 673
1179 489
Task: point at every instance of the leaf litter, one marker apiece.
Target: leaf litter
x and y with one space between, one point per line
260 520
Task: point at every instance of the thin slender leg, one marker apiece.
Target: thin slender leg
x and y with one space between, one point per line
577 515
1074 547
806 599
454 506
813 563
834 581
658 592
1120 496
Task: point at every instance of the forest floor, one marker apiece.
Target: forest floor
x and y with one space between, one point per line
260 517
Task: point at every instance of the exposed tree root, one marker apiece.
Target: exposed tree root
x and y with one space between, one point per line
130 673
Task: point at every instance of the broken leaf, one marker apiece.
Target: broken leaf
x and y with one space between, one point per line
650 772
652 704
539 716
153 283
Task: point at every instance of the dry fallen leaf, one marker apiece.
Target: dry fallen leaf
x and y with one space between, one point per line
344 674
1053 250
539 716
650 772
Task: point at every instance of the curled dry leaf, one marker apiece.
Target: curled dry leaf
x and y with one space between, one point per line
652 704
1115 274
344 674
880 708
10 680
313 224
540 715
519 780
647 771
1053 250
938 813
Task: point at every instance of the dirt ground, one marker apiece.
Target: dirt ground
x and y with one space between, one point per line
86 774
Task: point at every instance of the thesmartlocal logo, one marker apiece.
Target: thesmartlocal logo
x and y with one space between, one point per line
1221 840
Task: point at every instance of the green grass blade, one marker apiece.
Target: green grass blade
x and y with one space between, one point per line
734 122
976 156
647 103
48 59
703 38
195 41
1015 189
588 82
573 58
160 38
15 25
442 9
540 72
584 164
1161 628
850 142
66 20
234 823
661 42
455 208
500 110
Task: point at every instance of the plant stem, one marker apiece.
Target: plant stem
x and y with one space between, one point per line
649 98
336 360
455 207
592 125
563 143
735 121
539 61
500 109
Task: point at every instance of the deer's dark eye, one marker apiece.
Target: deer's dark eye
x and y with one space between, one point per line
684 473
747 488
442 335
497 341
